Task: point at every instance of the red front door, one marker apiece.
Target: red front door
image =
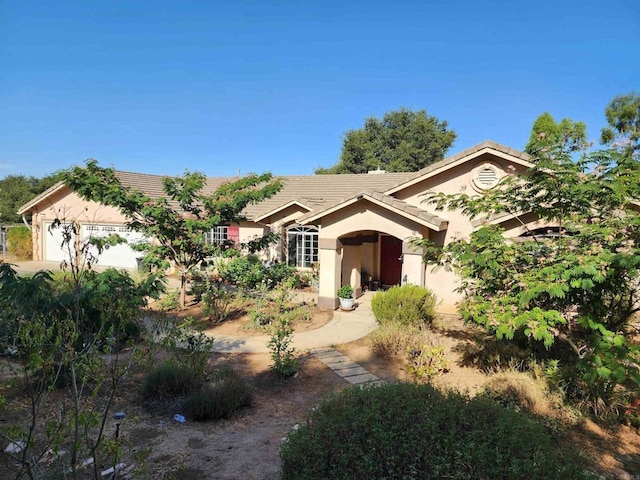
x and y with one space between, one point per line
390 260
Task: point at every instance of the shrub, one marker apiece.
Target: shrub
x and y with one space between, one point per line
169 380
522 391
170 301
408 304
220 398
491 355
246 271
392 339
191 348
284 363
426 361
414 431
217 301
281 272
20 242
425 357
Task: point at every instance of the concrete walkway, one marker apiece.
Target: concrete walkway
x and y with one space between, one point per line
343 328
342 366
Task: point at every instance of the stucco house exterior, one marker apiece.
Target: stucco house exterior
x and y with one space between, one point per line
345 224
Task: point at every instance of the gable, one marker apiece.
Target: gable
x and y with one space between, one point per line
470 177
441 176
60 202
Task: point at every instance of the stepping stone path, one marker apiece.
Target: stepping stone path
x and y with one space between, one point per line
345 368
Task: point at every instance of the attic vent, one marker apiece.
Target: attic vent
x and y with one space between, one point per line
377 172
486 177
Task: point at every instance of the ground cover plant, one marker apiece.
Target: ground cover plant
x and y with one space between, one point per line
415 431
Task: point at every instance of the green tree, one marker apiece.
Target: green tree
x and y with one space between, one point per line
403 141
179 220
573 287
623 116
16 190
547 134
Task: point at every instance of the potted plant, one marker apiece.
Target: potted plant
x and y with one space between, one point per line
345 294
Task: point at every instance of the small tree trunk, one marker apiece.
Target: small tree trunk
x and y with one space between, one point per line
183 289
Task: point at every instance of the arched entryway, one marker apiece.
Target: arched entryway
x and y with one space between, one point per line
371 259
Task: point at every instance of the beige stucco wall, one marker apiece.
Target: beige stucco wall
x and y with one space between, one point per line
369 258
365 216
251 231
330 260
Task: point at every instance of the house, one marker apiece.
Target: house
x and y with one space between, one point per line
347 224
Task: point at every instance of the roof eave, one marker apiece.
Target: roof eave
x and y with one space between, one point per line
43 196
440 224
438 227
280 208
496 219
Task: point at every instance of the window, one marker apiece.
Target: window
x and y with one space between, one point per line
486 177
302 246
217 235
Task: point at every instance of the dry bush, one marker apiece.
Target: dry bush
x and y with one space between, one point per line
523 392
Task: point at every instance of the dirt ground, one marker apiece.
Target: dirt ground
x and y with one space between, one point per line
246 446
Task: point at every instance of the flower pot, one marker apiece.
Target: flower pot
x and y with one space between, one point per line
347 303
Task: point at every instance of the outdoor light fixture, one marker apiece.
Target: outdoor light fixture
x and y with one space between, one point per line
118 416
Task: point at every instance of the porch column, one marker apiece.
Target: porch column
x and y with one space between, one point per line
330 259
351 266
412 265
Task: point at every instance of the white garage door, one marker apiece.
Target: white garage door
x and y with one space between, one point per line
55 249
122 255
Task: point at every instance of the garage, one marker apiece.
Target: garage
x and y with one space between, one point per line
55 249
120 256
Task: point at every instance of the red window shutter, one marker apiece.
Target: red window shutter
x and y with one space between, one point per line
233 234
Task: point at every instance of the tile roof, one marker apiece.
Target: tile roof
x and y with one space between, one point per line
318 192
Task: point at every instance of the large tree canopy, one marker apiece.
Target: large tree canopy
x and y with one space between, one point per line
623 116
575 285
16 190
403 141
179 220
547 134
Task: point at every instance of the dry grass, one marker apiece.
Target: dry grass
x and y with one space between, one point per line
524 392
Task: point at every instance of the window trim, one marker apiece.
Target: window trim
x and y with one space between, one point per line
306 240
217 235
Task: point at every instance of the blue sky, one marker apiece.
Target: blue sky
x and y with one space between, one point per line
163 86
